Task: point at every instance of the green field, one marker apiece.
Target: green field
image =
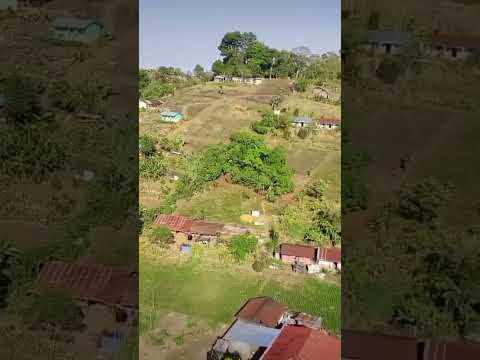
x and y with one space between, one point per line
215 296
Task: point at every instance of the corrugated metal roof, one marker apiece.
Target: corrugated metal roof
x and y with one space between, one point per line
252 334
302 119
304 251
171 113
435 350
388 37
302 343
455 41
91 282
65 22
190 226
206 228
262 310
362 346
331 254
329 121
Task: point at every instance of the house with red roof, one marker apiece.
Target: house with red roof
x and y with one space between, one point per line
196 230
303 343
450 46
330 257
90 284
263 311
297 253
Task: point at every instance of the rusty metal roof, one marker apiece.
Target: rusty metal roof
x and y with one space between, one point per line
175 222
262 310
329 121
190 226
304 251
331 254
302 343
91 282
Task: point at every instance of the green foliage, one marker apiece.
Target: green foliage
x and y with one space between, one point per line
144 80
304 132
242 246
269 122
155 90
147 146
30 153
354 189
301 85
261 262
90 95
22 102
161 235
326 227
422 201
147 217
153 167
317 189
171 143
53 308
252 163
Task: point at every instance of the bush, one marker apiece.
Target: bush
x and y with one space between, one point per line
162 236
153 167
241 246
261 262
304 132
171 144
147 145
21 99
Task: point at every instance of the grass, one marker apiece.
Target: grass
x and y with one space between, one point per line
215 294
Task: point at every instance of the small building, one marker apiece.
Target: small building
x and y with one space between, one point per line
452 47
258 81
237 79
219 78
263 311
142 104
94 284
386 42
303 343
171 116
329 124
302 121
195 230
8 4
298 254
330 257
77 30
364 346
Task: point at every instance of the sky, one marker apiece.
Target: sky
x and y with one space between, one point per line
183 33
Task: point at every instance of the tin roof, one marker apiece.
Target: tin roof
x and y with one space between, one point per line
252 334
455 41
262 310
66 22
363 346
170 113
187 225
435 350
91 282
329 121
304 251
302 119
331 254
388 37
302 343
174 222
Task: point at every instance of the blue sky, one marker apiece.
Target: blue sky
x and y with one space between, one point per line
183 33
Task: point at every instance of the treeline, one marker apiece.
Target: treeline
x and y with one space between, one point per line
244 55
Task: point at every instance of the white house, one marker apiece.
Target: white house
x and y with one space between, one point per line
451 46
142 104
386 42
329 124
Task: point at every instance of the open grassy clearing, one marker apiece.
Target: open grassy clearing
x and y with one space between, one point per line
215 296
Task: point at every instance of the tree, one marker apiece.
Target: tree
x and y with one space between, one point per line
199 71
423 200
147 146
241 246
144 80
235 43
161 235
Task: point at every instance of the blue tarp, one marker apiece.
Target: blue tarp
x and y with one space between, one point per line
187 249
112 343
257 335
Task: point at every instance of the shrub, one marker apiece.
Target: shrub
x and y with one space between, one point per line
147 145
241 246
171 144
304 132
261 262
153 167
21 99
161 235
301 85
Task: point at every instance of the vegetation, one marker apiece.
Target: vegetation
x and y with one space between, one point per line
242 246
270 122
161 235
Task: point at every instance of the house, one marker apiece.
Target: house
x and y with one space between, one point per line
441 350
93 284
171 116
257 81
302 121
303 343
363 346
77 30
219 78
142 104
330 257
196 230
8 4
452 47
237 79
295 253
386 42
263 311
329 124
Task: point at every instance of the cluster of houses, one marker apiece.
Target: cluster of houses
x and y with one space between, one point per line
267 330
95 287
310 259
323 123
238 80
438 45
